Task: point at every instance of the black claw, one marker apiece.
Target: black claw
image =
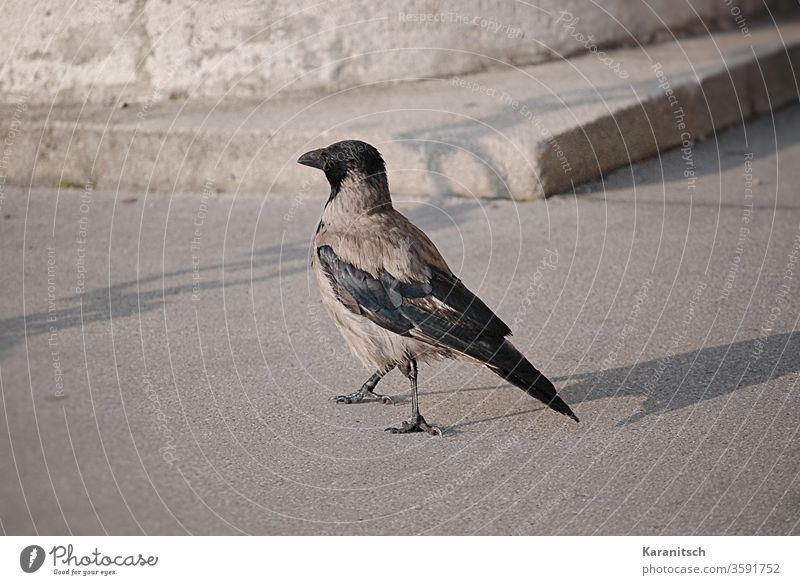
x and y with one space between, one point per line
356 397
418 425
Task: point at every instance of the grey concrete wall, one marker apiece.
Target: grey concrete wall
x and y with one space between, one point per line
154 50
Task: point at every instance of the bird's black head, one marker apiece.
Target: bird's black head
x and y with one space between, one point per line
350 158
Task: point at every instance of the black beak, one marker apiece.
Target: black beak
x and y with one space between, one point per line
312 158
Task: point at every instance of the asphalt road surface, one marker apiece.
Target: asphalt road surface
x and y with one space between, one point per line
166 363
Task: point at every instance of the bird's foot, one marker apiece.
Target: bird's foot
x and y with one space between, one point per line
416 425
362 396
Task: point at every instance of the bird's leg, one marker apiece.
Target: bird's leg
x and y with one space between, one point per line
366 391
417 424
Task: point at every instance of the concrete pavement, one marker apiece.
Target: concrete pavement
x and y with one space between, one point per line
165 362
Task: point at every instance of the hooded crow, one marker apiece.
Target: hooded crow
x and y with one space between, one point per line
392 295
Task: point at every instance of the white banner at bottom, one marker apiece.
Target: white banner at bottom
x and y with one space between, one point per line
401 560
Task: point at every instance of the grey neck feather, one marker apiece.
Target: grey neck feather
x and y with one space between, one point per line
354 197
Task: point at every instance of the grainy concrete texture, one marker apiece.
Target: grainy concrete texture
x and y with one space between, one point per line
157 49
512 132
165 363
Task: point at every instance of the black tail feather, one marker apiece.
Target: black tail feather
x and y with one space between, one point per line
496 352
511 365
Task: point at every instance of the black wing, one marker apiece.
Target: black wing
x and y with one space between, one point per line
441 310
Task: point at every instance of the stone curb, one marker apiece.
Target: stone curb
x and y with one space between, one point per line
522 133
